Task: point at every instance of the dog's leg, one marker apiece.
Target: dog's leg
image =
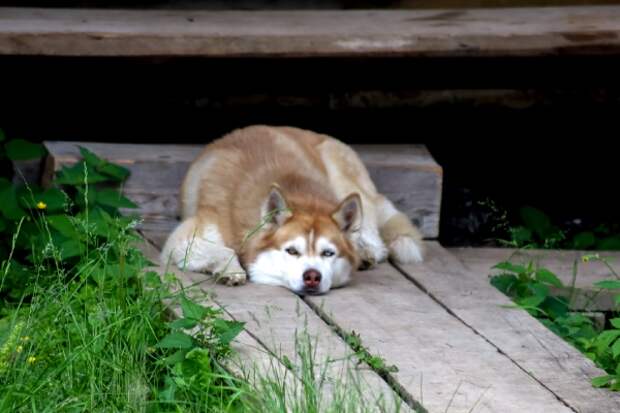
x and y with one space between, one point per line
199 247
403 239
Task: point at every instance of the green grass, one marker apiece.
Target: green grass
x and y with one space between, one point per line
85 326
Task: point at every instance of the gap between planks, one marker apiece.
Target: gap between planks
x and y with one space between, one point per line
273 316
538 352
462 370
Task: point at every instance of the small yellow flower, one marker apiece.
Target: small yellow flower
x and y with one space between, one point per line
589 257
31 359
26 338
19 348
41 205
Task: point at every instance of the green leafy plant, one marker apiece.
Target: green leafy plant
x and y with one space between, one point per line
535 229
531 288
83 325
86 326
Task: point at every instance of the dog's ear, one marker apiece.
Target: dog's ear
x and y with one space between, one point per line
275 208
348 215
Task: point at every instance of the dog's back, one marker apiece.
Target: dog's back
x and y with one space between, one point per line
233 176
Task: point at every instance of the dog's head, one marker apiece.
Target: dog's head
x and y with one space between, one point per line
308 252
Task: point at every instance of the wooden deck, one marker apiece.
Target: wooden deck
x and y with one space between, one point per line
457 347
329 33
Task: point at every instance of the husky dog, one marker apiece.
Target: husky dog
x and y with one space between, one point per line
288 207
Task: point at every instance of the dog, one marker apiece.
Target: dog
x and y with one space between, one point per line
287 207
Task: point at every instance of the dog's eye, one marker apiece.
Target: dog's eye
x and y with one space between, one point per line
292 251
327 253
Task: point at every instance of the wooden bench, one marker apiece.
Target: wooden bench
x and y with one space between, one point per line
457 346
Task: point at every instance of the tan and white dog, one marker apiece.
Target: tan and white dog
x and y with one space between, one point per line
288 207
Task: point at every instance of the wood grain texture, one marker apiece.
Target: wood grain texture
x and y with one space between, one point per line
407 174
440 360
279 325
466 32
554 363
586 297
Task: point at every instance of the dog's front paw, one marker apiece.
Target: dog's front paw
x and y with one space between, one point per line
235 278
371 253
406 250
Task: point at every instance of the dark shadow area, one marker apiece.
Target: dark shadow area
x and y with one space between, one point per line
539 132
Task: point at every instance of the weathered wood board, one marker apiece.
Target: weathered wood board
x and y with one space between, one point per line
523 340
279 325
465 32
440 360
561 263
407 174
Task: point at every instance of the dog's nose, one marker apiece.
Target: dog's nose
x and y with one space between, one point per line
312 278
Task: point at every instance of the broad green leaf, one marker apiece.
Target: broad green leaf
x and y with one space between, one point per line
112 198
176 340
71 248
615 322
192 310
20 150
546 276
100 222
615 349
74 175
537 221
521 235
227 330
82 196
184 323
538 289
605 339
177 357
601 381
118 173
114 171
608 284
584 240
9 205
52 200
152 279
531 302
92 160
508 266
504 282
63 224
609 244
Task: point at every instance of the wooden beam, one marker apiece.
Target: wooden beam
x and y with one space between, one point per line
336 33
407 174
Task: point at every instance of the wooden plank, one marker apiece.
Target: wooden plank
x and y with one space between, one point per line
465 32
453 368
249 354
276 322
586 297
407 174
553 363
